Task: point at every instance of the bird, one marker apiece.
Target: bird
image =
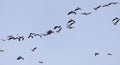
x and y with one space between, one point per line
96 54
71 20
114 3
41 62
109 54
70 27
20 58
58 28
84 13
34 49
96 8
116 22
1 50
116 18
106 5
30 35
50 32
3 39
78 8
71 12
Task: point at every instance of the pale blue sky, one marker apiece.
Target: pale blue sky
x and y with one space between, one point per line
92 33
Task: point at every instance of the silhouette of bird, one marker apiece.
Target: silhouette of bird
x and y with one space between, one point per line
38 35
34 49
71 20
116 19
78 8
70 27
58 28
71 12
3 39
11 37
96 54
109 54
20 58
116 22
41 62
50 32
114 3
84 13
96 8
1 50
106 5
30 35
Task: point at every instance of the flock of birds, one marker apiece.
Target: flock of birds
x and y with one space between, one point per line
58 28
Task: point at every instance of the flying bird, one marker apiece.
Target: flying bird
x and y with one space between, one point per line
78 8
96 8
116 19
71 12
109 54
116 22
41 62
84 13
3 39
70 27
50 32
30 35
20 58
114 3
58 28
96 54
34 49
1 50
71 20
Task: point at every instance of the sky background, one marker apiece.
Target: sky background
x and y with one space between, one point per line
92 33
